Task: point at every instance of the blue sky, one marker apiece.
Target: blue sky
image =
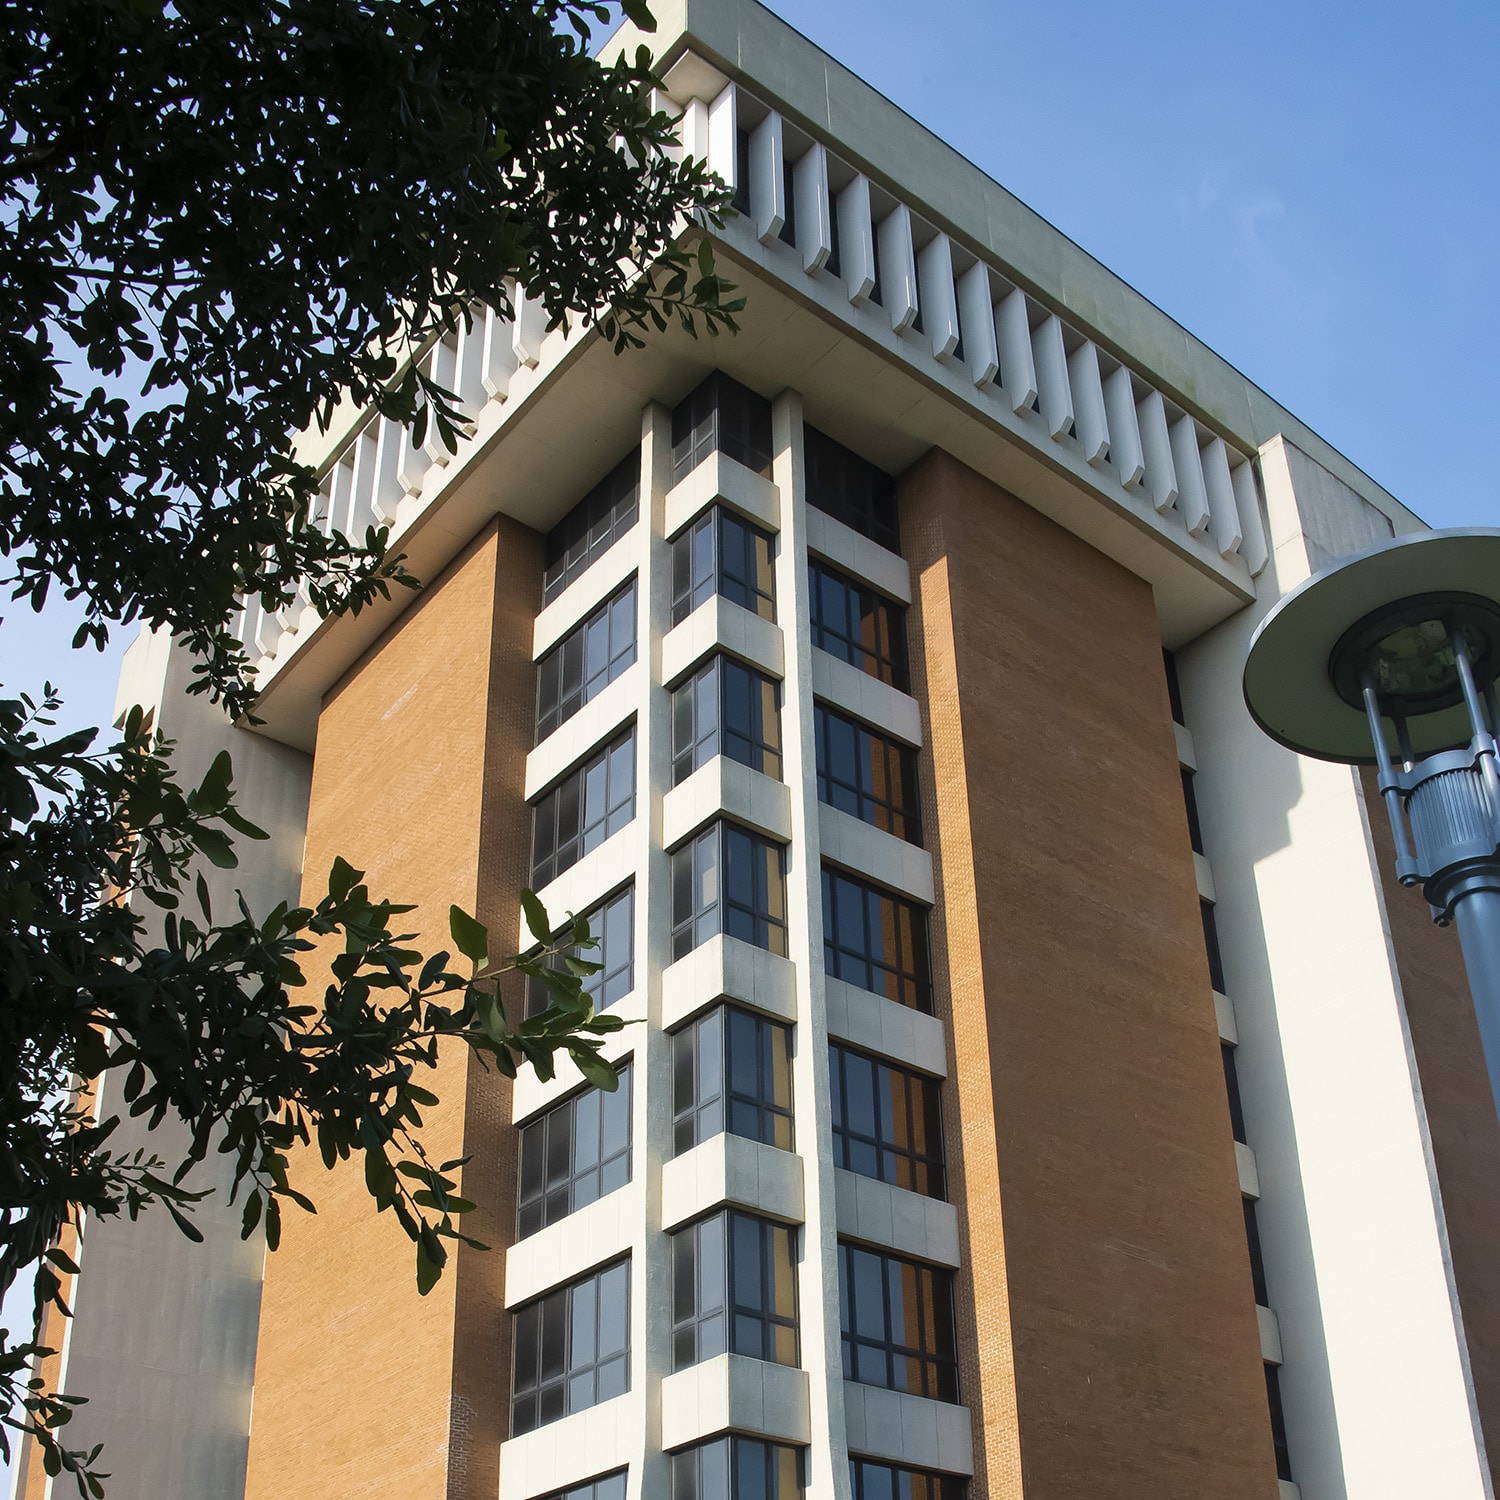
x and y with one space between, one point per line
1310 188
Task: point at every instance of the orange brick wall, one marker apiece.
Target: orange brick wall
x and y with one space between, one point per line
420 745
1106 1306
1460 1114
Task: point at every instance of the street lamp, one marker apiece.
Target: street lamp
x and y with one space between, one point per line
1390 659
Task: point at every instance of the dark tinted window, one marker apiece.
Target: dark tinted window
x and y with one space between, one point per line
867 774
1211 944
1232 1086
571 1349
857 625
721 415
876 940
789 193
741 198
726 708
897 1322
737 1468
1278 1424
732 1072
851 490
733 1290
583 809
612 925
581 665
1190 799
872 1481
1257 1257
575 1153
722 553
887 1122
1174 687
592 527
731 881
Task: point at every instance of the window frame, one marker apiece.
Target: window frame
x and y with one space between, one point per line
724 912
721 553
572 1370
876 757
593 825
752 747
720 415
921 1166
885 656
565 679
709 1038
708 1315
933 1303
605 1165
909 974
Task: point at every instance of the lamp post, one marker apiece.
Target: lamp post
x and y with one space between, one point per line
1390 659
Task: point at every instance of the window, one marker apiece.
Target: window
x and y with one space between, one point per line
887 1122
843 485
897 1321
721 415
737 1468
788 231
613 926
864 773
726 708
1257 1256
722 553
732 1071
869 1480
1190 798
1211 943
572 1349
606 1487
1174 688
834 265
857 625
585 661
741 199
592 527
876 941
731 881
1278 1424
578 1151
583 809
734 1290
1232 1086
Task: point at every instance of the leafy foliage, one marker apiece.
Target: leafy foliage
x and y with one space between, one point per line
208 1022
250 210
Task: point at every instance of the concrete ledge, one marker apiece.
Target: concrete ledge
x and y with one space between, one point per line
849 551
866 697
590 728
726 968
720 625
565 1250
724 787
574 1449
734 1394
875 854
730 1169
878 1025
1270 1335
896 1219
592 587
1205 877
719 479
908 1430
1249 1173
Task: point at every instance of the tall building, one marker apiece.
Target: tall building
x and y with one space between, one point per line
1034 1088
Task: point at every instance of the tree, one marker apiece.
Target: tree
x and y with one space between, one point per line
218 222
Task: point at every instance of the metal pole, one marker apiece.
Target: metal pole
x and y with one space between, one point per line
1477 914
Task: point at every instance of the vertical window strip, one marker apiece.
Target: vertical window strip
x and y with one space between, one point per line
576 1153
866 774
583 809
887 1122
571 1349
586 661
